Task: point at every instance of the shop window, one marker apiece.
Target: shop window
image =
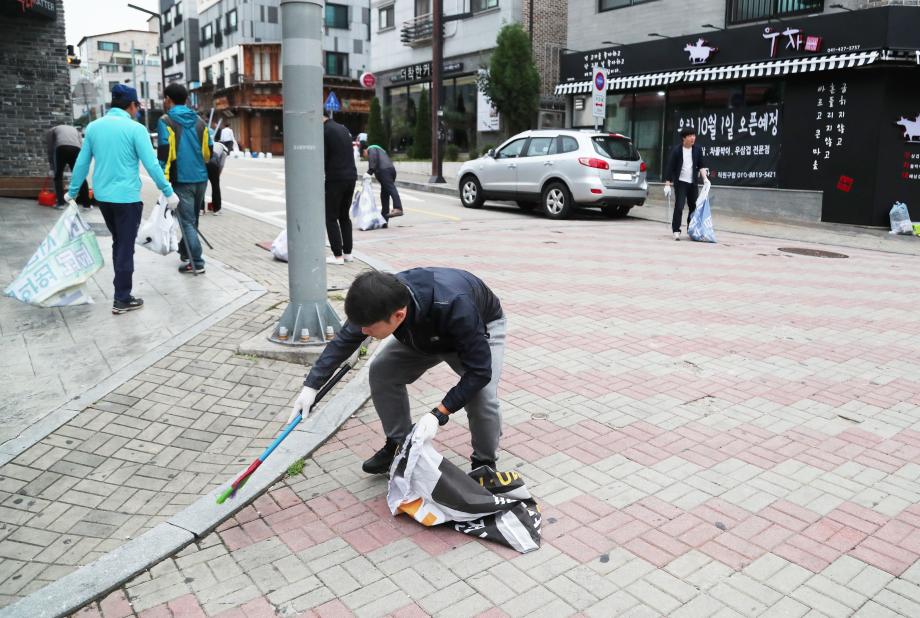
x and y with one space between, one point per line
648 115
618 118
541 147
107 46
512 150
386 17
482 5
337 16
743 11
609 5
336 63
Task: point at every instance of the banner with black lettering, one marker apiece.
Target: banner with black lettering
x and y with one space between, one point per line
490 505
741 147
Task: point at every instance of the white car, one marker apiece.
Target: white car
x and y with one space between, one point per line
559 169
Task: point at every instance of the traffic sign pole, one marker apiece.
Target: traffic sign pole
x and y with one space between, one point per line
599 98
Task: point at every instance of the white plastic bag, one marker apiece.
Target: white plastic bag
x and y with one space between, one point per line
899 218
700 227
160 232
279 246
364 211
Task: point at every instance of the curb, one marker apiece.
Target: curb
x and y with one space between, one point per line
94 581
445 189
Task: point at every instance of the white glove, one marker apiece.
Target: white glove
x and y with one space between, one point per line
302 404
367 176
72 202
667 190
425 429
172 202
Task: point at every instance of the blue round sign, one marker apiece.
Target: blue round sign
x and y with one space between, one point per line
599 80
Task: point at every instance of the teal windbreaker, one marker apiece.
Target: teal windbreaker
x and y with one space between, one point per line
117 143
183 156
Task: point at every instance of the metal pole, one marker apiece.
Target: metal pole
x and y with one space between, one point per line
302 91
437 62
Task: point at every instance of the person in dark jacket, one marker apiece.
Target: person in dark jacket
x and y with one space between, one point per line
685 163
379 164
215 167
341 175
435 315
63 143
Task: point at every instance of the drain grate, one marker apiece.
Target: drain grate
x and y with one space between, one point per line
813 252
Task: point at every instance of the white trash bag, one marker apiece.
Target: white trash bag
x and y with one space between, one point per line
279 246
364 211
160 232
899 218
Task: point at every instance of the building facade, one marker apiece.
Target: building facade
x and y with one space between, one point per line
804 111
180 50
34 91
240 66
401 62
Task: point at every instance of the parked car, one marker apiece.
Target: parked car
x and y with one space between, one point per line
558 170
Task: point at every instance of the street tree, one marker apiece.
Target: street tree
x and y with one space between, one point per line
513 82
375 131
421 140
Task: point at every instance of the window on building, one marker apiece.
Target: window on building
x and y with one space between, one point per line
482 5
111 68
112 85
742 11
337 16
107 46
359 46
609 5
272 14
180 50
422 7
168 55
209 74
230 24
207 34
336 63
177 10
262 13
386 17
143 90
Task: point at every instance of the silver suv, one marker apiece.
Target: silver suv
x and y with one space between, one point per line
559 169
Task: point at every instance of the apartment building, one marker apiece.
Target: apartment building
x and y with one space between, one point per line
180 54
805 109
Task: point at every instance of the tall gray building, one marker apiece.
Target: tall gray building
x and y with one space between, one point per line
180 52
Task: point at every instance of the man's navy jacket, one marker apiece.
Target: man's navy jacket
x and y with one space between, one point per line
448 313
676 160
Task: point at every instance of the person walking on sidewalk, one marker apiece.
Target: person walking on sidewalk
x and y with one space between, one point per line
341 175
63 143
184 148
117 143
435 315
215 168
227 139
685 163
379 164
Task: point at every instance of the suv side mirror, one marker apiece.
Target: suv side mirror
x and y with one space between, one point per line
491 153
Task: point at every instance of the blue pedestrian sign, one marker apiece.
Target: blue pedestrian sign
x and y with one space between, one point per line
332 103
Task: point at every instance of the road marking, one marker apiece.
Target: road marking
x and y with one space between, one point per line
254 214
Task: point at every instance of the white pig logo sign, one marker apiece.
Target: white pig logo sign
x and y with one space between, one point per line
911 128
700 52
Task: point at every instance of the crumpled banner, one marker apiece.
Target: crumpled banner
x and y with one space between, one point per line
55 276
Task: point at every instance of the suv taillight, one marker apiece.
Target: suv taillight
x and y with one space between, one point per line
643 166
595 163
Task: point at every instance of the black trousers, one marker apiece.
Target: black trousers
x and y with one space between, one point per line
387 180
683 192
64 156
123 220
214 177
338 223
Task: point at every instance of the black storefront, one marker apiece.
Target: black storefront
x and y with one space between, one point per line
828 103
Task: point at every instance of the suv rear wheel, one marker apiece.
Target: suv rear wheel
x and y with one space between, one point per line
471 192
557 201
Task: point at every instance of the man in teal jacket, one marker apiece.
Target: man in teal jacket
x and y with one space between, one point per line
184 148
117 143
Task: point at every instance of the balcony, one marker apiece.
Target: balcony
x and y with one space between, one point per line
220 82
234 79
745 11
417 32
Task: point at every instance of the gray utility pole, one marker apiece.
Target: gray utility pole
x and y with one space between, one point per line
304 182
437 65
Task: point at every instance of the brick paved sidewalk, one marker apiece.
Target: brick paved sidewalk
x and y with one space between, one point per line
712 430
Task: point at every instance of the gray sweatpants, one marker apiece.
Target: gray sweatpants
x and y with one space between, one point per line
397 365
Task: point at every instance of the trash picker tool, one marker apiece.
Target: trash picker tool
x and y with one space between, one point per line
241 480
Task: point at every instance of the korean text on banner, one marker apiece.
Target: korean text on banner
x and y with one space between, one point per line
55 275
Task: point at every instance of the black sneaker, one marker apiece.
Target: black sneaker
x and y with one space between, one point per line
380 462
188 269
125 306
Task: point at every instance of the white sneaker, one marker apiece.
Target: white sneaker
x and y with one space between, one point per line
335 260
676 235
348 257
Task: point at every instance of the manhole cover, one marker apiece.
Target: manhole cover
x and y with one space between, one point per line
812 252
100 229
